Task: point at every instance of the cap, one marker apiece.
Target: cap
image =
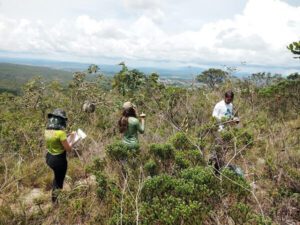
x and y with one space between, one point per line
58 113
128 105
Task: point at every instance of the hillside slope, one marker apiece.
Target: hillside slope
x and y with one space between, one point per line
13 76
169 180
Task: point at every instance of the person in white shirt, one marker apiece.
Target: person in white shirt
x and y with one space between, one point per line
223 110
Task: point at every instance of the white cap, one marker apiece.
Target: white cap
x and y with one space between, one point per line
236 119
128 105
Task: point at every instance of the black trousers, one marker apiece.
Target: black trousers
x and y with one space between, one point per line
59 165
217 158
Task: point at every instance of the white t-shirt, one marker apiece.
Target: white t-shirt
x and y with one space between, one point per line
223 110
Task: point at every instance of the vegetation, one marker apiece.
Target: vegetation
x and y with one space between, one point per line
295 48
212 77
168 178
13 76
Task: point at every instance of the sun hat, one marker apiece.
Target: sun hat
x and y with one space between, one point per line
128 105
58 113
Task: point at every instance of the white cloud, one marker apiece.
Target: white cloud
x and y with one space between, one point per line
258 35
142 4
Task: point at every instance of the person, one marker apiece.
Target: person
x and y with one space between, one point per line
223 113
223 110
130 126
57 146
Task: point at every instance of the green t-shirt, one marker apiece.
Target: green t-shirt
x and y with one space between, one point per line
131 134
53 141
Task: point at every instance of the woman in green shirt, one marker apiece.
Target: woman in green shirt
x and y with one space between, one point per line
130 126
57 145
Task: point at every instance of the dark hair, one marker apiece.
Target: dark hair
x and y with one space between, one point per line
229 94
123 121
56 123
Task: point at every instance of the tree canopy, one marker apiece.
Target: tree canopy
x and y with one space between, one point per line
212 77
295 48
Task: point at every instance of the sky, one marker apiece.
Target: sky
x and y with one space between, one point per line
152 32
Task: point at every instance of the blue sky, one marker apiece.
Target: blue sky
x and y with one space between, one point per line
151 32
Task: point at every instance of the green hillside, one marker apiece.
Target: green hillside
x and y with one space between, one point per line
170 178
13 76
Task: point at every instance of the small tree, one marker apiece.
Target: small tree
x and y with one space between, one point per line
264 79
294 76
128 81
295 48
212 77
93 68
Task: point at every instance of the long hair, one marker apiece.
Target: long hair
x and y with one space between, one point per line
123 121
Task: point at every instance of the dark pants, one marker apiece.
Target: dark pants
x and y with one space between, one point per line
59 165
217 158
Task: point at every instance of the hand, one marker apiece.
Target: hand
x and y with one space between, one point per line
71 137
143 115
236 119
72 133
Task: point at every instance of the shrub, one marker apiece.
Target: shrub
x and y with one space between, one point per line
195 157
163 185
162 151
172 210
240 213
120 151
227 135
181 142
101 185
186 199
151 167
244 137
207 187
181 161
234 184
185 159
97 165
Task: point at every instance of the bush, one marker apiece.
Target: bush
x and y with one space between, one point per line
168 200
164 185
243 214
185 159
120 151
181 161
181 142
234 184
151 167
195 157
244 137
227 135
207 186
186 199
172 210
240 213
101 185
162 151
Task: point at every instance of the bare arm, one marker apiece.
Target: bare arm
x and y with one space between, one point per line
141 125
66 145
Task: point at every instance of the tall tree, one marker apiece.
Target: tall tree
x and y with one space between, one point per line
212 77
128 81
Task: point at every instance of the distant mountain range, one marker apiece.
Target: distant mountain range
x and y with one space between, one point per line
183 72
176 72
